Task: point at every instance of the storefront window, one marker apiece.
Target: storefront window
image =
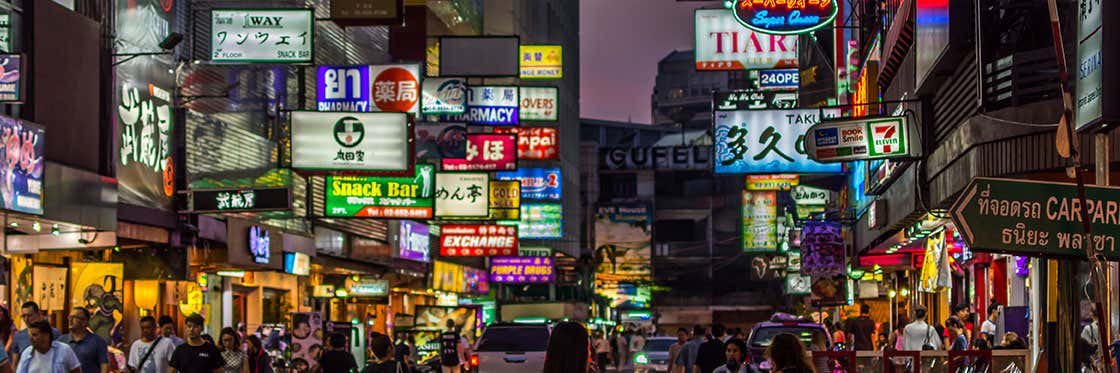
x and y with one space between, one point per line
274 306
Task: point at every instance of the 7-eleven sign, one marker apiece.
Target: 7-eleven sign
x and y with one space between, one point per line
888 137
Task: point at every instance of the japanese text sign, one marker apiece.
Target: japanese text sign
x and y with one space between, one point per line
414 241
539 143
357 142
492 105
521 270
385 88
443 96
539 221
536 183
22 152
381 197
262 35
460 194
477 240
784 17
539 104
822 249
146 127
807 195
11 78
232 200
542 61
766 141
486 152
860 139
724 44
760 221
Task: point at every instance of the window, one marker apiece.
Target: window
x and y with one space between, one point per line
614 186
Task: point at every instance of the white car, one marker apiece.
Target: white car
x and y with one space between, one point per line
513 348
654 357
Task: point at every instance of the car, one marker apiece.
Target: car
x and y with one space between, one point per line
654 357
509 347
813 335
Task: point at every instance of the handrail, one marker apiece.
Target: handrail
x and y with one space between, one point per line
868 361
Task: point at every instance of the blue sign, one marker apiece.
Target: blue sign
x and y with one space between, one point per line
783 79
343 88
536 183
828 137
766 142
22 147
491 105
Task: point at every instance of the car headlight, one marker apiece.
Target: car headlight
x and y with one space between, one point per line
641 359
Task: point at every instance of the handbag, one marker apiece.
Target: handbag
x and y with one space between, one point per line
925 345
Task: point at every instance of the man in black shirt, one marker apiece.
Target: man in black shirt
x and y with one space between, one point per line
711 355
196 355
861 329
337 359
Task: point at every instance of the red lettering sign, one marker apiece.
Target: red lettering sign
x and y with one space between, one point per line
534 142
478 240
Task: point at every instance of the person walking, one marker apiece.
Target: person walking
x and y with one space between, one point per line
788 355
711 354
196 355
450 349
990 326
152 352
602 350
675 349
235 360
568 350
337 359
259 361
384 359
29 313
167 330
403 353
622 348
860 330
45 354
91 349
957 336
687 359
919 335
637 343
735 351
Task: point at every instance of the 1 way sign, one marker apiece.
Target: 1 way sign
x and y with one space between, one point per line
861 139
1025 217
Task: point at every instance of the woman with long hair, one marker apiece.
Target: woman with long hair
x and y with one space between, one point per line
236 361
569 349
259 361
788 355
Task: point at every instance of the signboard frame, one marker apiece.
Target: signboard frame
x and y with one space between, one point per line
521 68
409 151
555 117
193 194
486 195
311 37
835 133
416 169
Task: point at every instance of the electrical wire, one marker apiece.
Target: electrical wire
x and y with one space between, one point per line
1017 123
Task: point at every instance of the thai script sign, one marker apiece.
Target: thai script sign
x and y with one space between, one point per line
262 35
386 88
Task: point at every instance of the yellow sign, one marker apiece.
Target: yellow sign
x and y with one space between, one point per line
542 62
505 200
772 182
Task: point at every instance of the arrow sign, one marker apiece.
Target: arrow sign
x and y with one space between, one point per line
1025 217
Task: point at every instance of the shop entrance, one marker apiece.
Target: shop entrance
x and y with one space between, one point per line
274 306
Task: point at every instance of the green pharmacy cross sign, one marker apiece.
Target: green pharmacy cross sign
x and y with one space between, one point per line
1025 217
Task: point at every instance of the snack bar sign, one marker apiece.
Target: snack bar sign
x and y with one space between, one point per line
262 35
861 139
477 240
381 197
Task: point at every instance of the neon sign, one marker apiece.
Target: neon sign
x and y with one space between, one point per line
783 17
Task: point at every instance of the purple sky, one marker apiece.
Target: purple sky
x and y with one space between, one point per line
620 44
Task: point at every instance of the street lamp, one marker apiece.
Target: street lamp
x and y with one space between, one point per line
167 44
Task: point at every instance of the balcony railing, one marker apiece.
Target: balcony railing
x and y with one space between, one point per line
974 361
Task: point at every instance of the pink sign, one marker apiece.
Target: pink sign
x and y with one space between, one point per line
486 152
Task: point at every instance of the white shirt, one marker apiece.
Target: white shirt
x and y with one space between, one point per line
917 334
158 361
988 327
37 362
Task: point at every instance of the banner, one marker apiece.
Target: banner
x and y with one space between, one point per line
491 105
262 35
22 148
462 194
477 240
760 221
236 200
443 96
306 334
822 250
381 197
459 279
521 270
539 221
656 158
722 43
622 244
441 140
11 79
540 104
542 61
99 288
486 152
536 183
359 142
145 171
414 242
537 143
766 141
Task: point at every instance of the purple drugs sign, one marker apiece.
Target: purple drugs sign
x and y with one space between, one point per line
414 241
521 269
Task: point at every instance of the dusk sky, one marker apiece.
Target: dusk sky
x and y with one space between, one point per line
620 44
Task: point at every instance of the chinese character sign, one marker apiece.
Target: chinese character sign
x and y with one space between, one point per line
521 270
491 105
415 241
486 152
724 44
760 221
381 197
785 17
396 88
822 249
460 194
539 221
534 142
145 125
536 183
477 240
766 141
22 147
539 104
11 87
369 142
443 96
542 61
261 35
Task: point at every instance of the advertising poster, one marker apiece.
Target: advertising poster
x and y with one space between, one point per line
22 147
49 287
431 321
443 96
461 194
822 249
381 197
477 240
262 35
307 340
99 288
542 61
539 221
521 270
461 279
415 241
537 143
365 142
486 152
622 243
540 104
536 183
760 221
722 43
441 140
766 141
11 87
829 291
489 105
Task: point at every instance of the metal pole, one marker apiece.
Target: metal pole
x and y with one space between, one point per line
1101 271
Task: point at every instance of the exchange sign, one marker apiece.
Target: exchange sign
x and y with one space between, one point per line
542 61
860 139
462 194
262 35
539 104
357 142
754 100
492 105
766 141
477 240
521 270
380 197
444 96
784 17
724 44
536 183
539 143
1026 217
233 200
486 152
539 221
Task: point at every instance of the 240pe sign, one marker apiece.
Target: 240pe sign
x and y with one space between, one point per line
477 240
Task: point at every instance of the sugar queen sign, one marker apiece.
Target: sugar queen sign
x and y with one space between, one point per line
784 17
